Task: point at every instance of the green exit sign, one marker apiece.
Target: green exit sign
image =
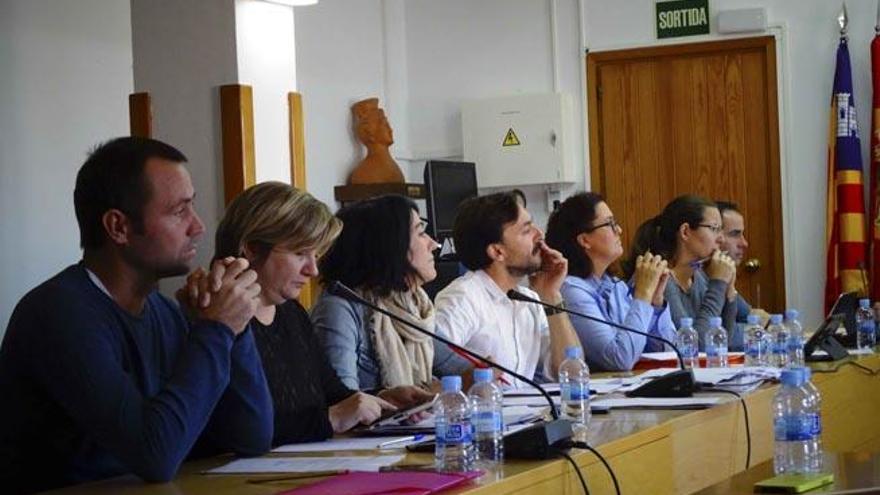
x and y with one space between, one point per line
682 18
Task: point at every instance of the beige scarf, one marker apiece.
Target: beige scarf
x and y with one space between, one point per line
405 356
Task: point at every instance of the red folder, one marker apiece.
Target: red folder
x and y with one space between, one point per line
649 364
396 482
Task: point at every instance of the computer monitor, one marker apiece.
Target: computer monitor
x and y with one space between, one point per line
447 184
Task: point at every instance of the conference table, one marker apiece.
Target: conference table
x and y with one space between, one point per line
651 451
854 472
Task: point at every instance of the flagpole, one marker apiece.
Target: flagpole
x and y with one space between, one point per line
843 21
877 21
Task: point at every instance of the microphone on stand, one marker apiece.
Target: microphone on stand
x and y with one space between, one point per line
679 383
541 441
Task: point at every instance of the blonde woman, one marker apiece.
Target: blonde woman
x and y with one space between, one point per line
282 231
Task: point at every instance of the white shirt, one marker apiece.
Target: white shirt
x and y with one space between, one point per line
475 313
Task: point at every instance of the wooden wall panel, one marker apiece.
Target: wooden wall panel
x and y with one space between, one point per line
140 114
312 290
698 118
237 129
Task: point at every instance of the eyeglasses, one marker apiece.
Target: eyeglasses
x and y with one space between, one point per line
716 229
610 223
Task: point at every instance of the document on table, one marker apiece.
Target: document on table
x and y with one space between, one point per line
512 413
550 388
658 403
852 352
260 465
672 356
352 443
597 386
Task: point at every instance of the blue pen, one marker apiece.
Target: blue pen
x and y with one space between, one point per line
411 438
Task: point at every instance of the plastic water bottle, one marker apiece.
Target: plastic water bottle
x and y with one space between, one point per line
454 449
757 345
795 338
815 453
866 337
779 336
487 402
792 424
574 388
688 342
716 344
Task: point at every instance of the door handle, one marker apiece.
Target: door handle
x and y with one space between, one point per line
752 265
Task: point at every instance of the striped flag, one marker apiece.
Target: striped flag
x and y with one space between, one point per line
875 169
845 222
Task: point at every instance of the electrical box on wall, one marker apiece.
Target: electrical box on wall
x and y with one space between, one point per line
520 140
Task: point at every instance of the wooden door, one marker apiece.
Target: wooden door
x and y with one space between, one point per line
695 118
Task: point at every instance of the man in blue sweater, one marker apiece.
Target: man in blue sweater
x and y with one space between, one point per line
100 374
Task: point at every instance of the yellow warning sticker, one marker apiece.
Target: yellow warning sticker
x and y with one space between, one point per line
510 139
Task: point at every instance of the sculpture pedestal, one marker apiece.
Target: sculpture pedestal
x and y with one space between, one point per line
359 192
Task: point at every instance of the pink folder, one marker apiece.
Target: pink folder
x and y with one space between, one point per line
395 482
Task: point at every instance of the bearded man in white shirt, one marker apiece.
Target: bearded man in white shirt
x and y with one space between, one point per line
498 243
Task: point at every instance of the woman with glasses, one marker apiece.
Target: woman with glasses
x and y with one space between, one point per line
584 230
687 233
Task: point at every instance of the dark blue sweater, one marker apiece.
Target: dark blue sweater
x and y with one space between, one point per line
90 391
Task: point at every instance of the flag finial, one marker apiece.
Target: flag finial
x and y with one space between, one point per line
877 23
843 20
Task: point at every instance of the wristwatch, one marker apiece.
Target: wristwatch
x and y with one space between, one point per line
550 311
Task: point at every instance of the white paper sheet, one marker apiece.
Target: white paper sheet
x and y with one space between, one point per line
852 352
598 385
658 403
259 465
670 355
513 413
356 443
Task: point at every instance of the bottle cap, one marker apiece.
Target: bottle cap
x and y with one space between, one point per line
792 377
715 321
451 383
572 352
807 373
483 375
864 303
686 322
753 319
791 314
775 319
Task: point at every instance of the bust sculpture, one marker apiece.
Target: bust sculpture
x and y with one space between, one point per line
372 129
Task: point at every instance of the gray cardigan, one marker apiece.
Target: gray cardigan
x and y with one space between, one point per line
341 327
705 299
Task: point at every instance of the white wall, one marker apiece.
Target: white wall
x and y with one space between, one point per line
811 37
65 76
265 47
183 52
339 60
460 49
422 58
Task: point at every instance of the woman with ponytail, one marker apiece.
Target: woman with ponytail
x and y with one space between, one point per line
687 234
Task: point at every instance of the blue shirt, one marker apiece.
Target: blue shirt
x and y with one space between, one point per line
606 347
91 391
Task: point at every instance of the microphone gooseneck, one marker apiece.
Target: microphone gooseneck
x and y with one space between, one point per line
339 289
